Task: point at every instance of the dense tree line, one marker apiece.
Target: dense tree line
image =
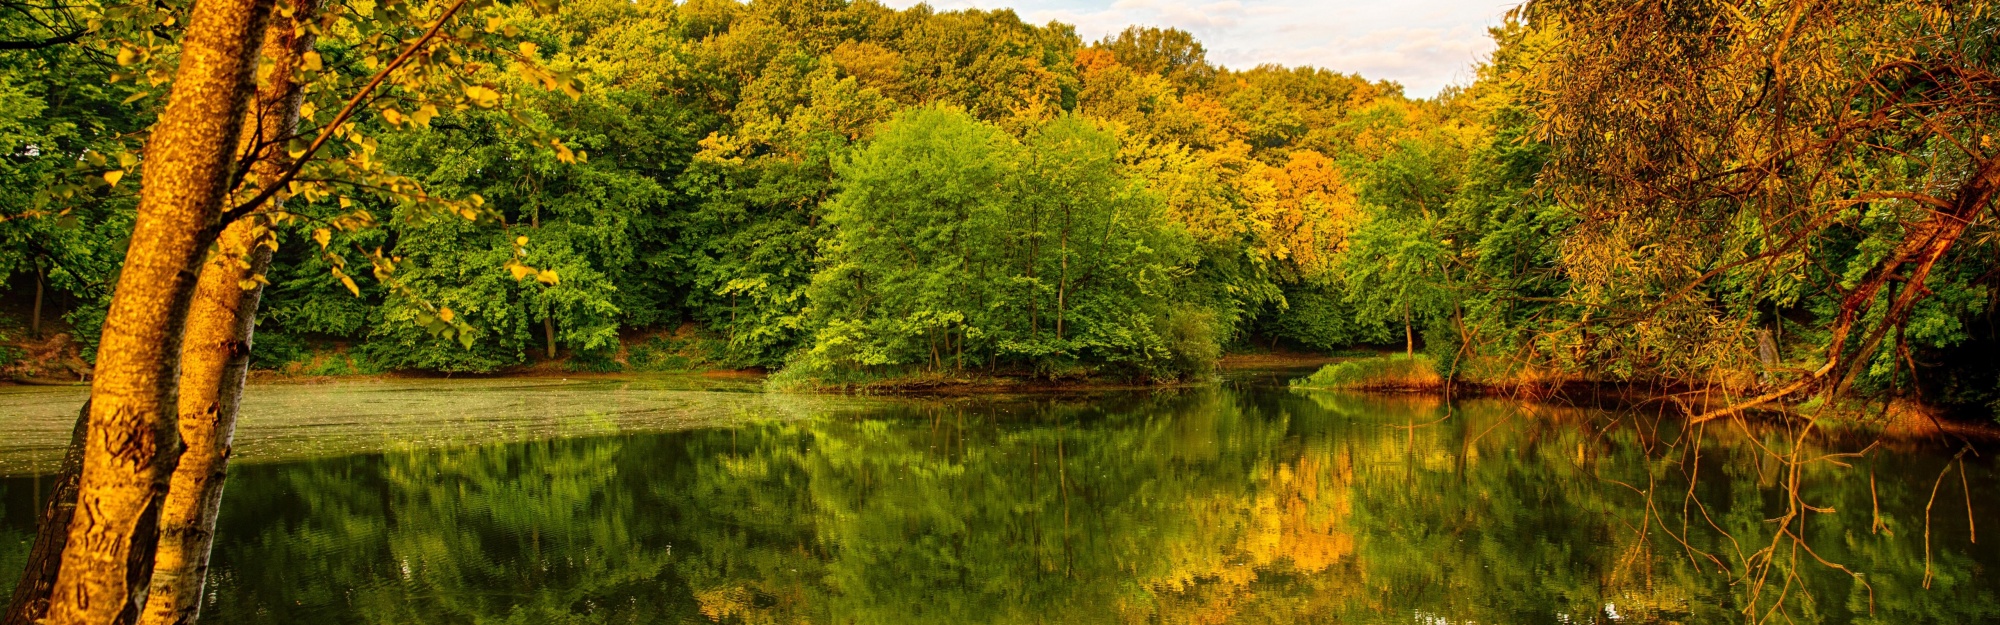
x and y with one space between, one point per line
860 190
857 190
721 152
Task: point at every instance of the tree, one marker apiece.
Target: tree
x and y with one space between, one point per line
917 222
131 443
1740 166
215 351
129 440
1169 53
955 246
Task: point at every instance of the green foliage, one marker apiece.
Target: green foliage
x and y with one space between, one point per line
67 130
955 246
1392 372
702 162
677 353
1323 319
868 192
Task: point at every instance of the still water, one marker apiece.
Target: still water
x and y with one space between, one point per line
1247 503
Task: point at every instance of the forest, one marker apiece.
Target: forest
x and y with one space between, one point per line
1731 206
844 191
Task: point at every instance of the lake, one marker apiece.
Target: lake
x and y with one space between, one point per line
684 500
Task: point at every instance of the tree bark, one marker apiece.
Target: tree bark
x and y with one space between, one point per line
215 355
1062 291
35 318
1409 334
549 334
31 595
132 441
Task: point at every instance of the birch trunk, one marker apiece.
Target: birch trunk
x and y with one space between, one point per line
132 442
215 355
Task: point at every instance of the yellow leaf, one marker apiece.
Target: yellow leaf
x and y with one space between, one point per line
483 96
310 61
521 241
446 315
351 286
520 271
423 115
547 276
528 49
323 236
393 116
112 177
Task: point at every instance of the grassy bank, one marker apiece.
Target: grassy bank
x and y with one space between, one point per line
1401 373
919 381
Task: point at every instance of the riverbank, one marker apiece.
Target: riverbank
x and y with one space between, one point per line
1419 375
972 382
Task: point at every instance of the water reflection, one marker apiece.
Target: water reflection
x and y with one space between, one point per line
1202 506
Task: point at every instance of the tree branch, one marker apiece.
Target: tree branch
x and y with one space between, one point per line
326 133
44 43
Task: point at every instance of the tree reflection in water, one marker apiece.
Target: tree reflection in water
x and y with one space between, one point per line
1200 506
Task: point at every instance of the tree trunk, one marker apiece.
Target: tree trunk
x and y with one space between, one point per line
35 318
1409 334
31 596
132 441
1062 289
215 355
549 334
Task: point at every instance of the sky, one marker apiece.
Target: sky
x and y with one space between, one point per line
1423 44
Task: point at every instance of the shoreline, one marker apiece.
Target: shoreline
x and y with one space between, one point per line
1900 421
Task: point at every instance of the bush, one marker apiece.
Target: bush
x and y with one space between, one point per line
1398 372
682 352
1191 338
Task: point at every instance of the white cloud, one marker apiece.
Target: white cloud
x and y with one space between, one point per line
1423 44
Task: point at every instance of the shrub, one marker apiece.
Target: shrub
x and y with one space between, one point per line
1396 372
